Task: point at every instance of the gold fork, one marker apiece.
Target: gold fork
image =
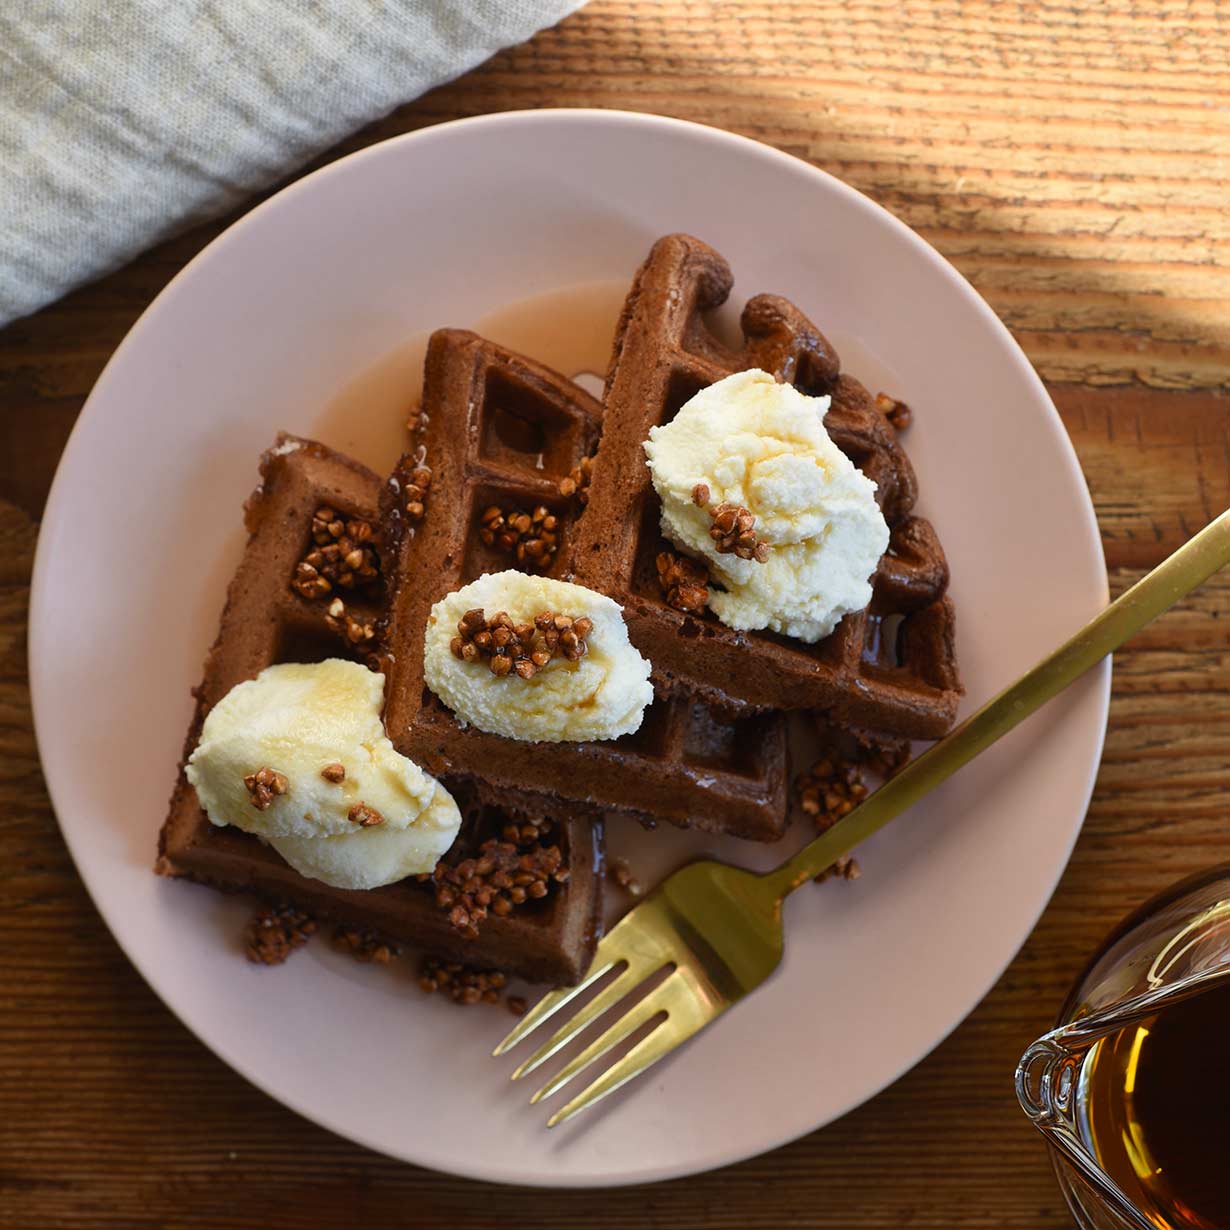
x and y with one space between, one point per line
718 929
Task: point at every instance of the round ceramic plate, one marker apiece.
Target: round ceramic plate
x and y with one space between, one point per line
309 315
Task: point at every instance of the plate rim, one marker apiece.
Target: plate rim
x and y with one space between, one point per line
55 516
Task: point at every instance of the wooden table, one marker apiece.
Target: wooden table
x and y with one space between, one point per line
1072 161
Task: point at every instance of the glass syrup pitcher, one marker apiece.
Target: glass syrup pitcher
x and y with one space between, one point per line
1132 1089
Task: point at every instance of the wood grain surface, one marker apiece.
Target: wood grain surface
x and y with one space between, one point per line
1072 160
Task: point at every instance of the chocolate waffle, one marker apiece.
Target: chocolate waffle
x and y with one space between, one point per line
891 668
501 433
278 610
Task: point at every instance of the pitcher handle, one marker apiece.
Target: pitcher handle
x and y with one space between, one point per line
1053 1068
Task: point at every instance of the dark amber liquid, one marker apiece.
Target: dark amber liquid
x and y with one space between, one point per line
1156 1103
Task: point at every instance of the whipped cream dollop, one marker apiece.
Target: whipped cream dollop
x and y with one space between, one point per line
299 757
751 442
600 694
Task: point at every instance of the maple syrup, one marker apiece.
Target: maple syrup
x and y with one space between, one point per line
1155 1111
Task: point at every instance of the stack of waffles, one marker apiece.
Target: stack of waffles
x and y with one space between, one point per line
511 465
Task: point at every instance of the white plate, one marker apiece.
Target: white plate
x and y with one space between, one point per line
302 310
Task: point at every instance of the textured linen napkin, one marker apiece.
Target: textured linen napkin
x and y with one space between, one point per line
123 121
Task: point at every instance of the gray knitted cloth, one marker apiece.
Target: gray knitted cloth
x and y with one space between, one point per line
122 121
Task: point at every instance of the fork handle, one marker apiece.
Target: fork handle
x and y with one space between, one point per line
1190 566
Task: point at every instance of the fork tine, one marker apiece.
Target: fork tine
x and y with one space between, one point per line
663 1039
628 1024
552 1002
624 941
624 984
